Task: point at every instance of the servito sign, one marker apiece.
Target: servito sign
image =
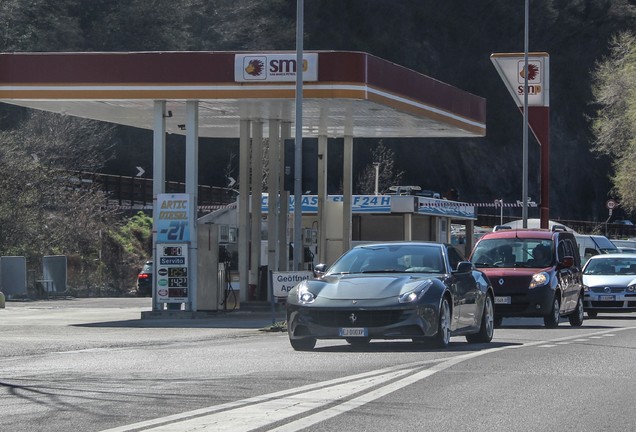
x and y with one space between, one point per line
273 67
283 282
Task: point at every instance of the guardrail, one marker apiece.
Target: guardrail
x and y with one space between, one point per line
136 192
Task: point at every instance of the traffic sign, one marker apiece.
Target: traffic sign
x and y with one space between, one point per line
611 204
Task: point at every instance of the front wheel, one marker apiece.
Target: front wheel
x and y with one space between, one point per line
577 315
305 344
442 338
552 319
487 327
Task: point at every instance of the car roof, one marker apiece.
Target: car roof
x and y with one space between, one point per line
400 243
521 233
613 256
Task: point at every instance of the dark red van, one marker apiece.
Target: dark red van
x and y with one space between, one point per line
534 273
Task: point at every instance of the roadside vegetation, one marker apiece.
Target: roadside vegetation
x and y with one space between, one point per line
615 122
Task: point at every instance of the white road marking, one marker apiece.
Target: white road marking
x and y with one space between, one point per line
261 411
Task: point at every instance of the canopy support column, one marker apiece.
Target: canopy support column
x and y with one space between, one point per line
283 216
347 192
158 178
255 221
273 193
322 198
192 187
243 208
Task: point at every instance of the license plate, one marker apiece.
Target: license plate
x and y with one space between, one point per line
503 300
354 332
607 298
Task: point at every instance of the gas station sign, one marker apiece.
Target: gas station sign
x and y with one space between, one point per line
172 273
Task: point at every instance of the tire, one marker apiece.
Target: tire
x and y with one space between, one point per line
591 314
442 338
552 319
487 327
577 315
305 344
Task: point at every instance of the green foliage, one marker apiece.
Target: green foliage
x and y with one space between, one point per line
135 236
614 125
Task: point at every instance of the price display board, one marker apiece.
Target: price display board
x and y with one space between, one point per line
172 273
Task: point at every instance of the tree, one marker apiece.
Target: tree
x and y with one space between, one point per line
388 175
46 209
614 126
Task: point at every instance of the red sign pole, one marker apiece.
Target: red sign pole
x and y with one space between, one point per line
539 123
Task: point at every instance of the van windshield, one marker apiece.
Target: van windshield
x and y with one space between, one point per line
513 252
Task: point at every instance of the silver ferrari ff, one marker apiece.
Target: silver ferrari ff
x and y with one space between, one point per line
421 291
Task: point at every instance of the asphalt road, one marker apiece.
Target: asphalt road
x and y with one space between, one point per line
94 365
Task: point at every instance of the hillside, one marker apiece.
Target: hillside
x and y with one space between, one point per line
450 41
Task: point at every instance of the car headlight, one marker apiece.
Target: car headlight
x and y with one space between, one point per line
539 279
631 288
305 296
586 288
416 294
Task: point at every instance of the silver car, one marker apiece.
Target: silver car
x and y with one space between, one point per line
610 284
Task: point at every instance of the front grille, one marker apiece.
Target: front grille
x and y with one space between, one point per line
601 290
511 284
364 318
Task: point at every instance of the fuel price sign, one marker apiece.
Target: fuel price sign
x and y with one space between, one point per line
172 273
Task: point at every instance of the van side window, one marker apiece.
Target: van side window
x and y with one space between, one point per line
561 250
570 250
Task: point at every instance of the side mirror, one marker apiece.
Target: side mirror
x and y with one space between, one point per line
566 262
319 270
465 267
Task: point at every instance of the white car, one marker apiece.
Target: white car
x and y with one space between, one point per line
609 282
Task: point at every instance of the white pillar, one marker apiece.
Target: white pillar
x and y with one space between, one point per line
158 176
408 226
283 217
322 199
347 192
257 192
191 188
273 191
243 208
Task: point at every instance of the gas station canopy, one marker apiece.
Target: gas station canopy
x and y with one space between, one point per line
344 93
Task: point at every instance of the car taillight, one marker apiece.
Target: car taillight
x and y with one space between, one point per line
144 276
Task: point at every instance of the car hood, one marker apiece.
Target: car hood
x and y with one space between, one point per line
511 272
363 287
609 280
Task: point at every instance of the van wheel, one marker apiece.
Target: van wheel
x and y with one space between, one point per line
552 319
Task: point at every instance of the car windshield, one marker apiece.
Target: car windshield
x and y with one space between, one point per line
611 266
391 259
513 252
147 268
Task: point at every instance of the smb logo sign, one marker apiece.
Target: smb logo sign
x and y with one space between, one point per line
512 70
273 67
